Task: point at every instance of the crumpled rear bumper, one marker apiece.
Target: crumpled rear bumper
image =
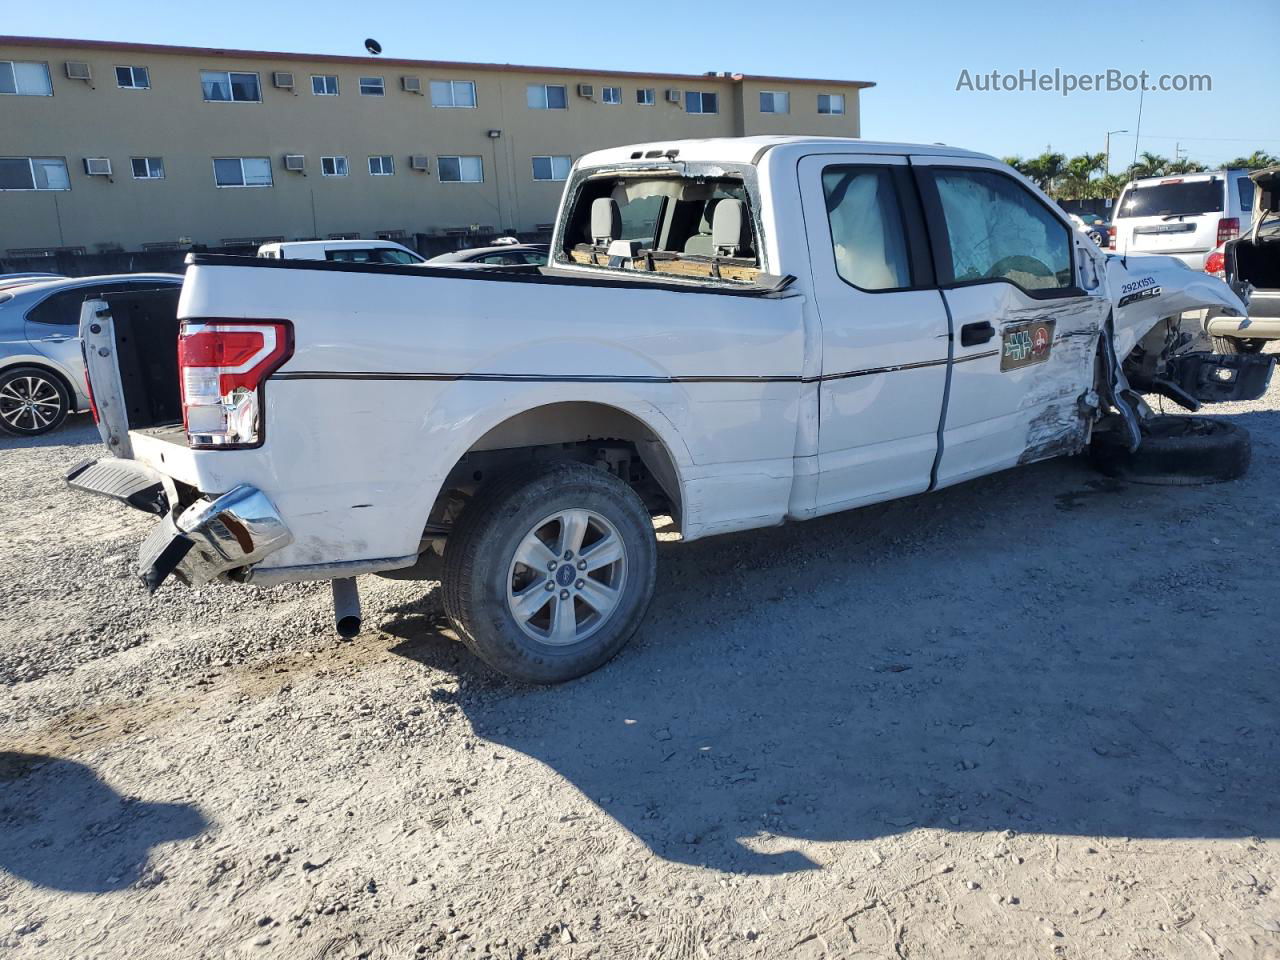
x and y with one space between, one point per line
223 536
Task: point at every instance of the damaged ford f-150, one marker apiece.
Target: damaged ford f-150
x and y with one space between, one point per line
733 333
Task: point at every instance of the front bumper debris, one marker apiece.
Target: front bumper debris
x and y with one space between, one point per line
210 538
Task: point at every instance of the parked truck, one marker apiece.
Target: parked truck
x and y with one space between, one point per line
731 333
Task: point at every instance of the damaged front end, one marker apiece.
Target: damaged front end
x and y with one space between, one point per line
1143 349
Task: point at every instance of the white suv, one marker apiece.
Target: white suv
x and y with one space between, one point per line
1183 216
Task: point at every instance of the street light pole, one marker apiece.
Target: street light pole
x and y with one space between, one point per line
1109 133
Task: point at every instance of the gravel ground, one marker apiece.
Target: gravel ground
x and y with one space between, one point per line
1031 716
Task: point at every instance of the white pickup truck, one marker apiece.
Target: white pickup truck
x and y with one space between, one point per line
733 333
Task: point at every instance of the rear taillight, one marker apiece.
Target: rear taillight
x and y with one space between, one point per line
223 365
1228 229
1216 263
1111 236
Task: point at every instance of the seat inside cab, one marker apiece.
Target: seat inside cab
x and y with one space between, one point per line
675 225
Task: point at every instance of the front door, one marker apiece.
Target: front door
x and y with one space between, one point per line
884 330
1026 331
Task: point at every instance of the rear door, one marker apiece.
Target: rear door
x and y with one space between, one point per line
884 329
1026 332
1171 215
52 328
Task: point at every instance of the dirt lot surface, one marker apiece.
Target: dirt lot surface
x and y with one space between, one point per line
1032 716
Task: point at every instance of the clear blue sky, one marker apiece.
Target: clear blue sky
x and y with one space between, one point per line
912 52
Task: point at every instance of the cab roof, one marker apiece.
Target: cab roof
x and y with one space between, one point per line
752 149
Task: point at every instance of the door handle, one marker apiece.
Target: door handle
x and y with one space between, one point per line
54 339
972 334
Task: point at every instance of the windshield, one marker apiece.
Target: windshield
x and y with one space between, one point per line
1172 199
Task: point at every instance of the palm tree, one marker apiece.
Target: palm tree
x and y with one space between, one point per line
1016 162
1148 165
1078 173
1045 169
1185 165
1255 161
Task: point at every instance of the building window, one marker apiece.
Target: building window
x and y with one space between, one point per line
324 85
383 166
242 171
645 97
34 173
695 102
25 79
548 96
460 169
371 87
552 168
610 94
221 86
333 166
773 101
453 93
133 78
147 168
832 103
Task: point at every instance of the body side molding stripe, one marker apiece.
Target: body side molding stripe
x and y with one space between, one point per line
604 378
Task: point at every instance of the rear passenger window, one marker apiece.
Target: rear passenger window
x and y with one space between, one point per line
998 230
63 308
1245 186
867 233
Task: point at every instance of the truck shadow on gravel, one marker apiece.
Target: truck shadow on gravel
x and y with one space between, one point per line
63 828
978 660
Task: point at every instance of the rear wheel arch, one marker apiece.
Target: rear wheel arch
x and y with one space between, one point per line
45 367
569 430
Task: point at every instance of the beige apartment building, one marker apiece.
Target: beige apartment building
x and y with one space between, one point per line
109 146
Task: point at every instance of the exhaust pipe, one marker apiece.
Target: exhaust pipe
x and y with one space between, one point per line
346 607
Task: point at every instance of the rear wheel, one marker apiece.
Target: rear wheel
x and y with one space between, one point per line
32 401
548 574
1238 345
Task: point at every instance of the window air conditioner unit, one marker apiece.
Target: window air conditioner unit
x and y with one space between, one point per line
282 80
78 70
586 90
97 166
673 96
295 162
411 84
419 162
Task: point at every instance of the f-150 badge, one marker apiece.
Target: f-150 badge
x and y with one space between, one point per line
1026 343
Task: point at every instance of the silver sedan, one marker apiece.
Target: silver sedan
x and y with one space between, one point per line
41 366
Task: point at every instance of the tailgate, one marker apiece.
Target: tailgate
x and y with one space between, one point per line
131 363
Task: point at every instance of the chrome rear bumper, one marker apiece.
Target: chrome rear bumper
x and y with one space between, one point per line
211 538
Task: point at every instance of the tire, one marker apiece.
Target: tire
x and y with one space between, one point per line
492 596
1238 345
32 401
1176 451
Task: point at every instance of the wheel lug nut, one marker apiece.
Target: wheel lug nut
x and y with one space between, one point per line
551 565
568 554
578 585
582 564
564 594
551 584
